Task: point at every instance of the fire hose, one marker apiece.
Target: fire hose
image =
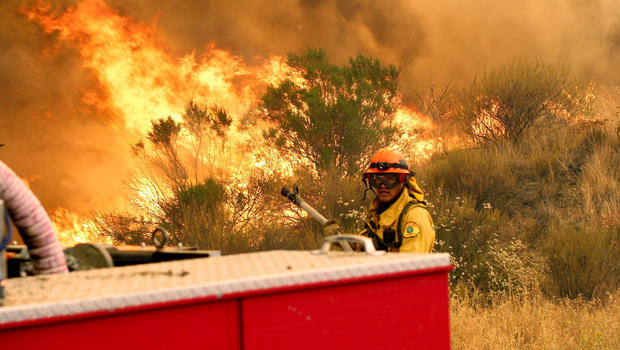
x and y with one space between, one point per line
293 196
33 223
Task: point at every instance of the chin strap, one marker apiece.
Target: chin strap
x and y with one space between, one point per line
367 188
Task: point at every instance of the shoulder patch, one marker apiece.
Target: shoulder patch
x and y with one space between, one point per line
411 229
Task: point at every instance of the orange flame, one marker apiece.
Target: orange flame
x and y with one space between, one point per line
72 228
143 80
487 124
415 139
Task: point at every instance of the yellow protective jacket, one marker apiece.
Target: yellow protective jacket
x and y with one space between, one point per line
415 224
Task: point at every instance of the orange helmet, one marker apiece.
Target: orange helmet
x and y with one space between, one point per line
387 160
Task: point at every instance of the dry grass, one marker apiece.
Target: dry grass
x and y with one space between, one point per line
536 323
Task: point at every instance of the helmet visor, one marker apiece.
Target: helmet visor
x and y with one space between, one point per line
389 180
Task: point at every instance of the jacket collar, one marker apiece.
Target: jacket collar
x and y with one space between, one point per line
391 214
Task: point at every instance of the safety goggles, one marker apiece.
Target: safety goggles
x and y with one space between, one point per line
389 180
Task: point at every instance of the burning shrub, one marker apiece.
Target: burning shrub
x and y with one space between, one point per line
198 119
164 131
125 228
190 207
502 104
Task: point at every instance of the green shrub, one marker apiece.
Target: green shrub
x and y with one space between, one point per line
204 196
487 255
337 117
583 261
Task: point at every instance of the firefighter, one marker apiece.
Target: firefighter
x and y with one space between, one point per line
397 219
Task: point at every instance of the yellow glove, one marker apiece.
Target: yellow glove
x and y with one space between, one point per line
331 228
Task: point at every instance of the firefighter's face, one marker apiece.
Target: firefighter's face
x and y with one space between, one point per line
387 186
387 194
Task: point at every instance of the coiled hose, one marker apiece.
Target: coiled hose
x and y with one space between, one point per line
33 223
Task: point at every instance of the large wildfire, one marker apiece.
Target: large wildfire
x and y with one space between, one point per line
139 79
142 82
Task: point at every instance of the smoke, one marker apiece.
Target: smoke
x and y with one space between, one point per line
443 41
75 152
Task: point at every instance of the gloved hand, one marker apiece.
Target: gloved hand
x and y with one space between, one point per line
331 228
